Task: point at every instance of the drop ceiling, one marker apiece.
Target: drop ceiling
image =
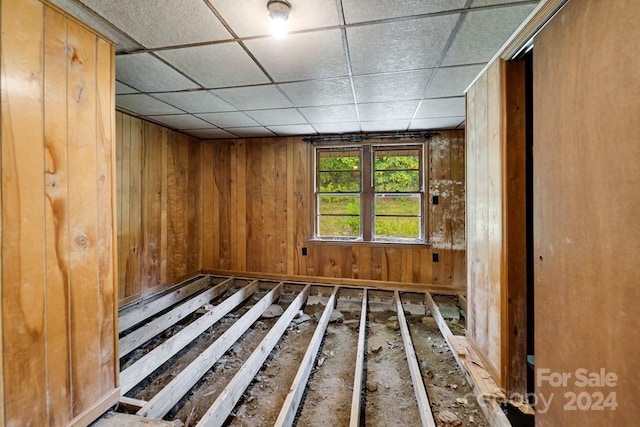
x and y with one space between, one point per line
211 69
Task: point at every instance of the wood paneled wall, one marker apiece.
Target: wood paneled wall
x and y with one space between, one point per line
257 216
159 209
587 200
58 242
496 222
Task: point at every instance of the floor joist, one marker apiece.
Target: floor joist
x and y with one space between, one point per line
143 334
354 419
414 368
292 401
156 357
164 400
222 407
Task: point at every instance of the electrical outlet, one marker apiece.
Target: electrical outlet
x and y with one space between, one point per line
304 251
435 200
434 257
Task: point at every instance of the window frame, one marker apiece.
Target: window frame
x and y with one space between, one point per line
368 192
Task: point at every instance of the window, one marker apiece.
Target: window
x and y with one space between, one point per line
370 193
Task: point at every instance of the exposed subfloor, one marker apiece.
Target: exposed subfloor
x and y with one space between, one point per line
239 370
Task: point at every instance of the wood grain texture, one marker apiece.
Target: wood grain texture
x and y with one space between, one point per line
586 204
265 185
58 217
159 193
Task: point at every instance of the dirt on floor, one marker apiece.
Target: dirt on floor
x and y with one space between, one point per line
388 397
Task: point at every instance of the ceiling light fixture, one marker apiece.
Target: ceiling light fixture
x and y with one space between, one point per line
279 12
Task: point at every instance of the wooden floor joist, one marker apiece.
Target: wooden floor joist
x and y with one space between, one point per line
143 334
166 398
414 368
223 405
354 418
292 401
156 357
490 407
135 315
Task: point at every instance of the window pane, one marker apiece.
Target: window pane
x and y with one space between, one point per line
397 181
339 226
339 205
396 204
397 227
339 182
397 159
339 160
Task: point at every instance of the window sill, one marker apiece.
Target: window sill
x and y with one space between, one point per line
376 243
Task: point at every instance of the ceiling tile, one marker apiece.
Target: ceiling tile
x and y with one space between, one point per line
391 87
182 121
438 123
122 89
330 114
84 14
319 92
144 105
217 65
230 119
170 23
399 46
301 56
148 74
210 133
441 107
251 132
480 3
452 81
200 101
385 125
293 130
252 18
345 127
284 116
483 32
254 98
387 110
359 11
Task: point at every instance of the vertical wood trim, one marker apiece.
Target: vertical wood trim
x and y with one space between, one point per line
124 287
23 293
164 223
83 205
241 204
57 225
106 214
292 248
233 204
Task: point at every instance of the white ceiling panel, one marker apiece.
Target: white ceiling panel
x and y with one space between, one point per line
176 22
314 93
200 101
93 20
181 121
282 116
148 74
144 105
385 125
254 98
122 89
387 110
251 132
344 127
210 133
437 123
441 107
356 11
399 46
252 17
391 87
301 56
483 32
452 81
229 120
330 114
293 130
217 65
